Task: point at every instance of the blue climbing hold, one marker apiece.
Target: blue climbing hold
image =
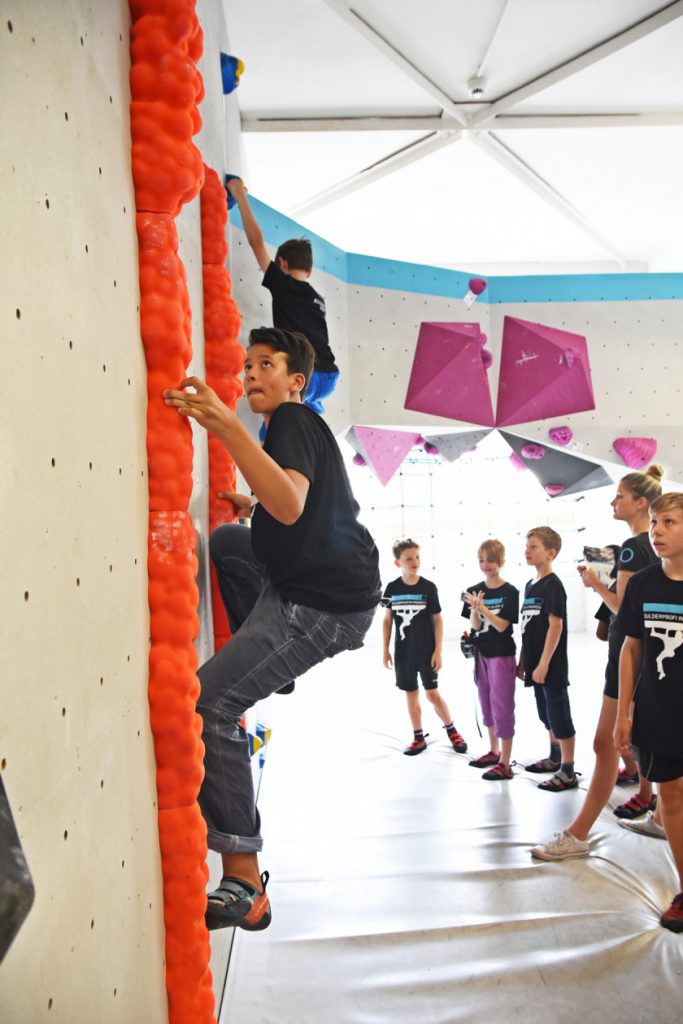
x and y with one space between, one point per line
231 71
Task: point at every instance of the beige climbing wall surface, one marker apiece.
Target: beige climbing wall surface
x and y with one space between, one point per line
75 746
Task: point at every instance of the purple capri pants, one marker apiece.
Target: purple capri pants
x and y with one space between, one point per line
495 679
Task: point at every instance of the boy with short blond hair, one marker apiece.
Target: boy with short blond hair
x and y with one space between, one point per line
651 617
543 662
412 605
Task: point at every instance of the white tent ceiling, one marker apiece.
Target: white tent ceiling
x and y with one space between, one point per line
358 122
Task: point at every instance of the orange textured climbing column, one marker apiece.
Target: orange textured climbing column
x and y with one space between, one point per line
166 42
224 358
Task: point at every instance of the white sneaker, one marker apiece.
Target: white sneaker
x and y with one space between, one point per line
563 846
646 826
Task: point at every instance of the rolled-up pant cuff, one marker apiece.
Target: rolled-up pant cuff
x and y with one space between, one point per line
222 843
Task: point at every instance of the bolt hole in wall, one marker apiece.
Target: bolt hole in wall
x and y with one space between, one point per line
450 508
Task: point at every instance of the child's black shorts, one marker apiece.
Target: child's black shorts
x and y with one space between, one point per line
406 677
658 767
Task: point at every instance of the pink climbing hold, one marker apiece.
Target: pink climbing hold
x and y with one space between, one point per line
482 339
561 435
476 287
569 356
636 452
533 451
517 462
430 448
486 358
554 489
358 460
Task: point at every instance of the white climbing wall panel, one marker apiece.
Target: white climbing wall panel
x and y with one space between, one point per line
75 746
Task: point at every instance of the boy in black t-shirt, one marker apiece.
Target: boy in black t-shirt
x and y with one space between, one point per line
321 585
543 663
412 605
491 607
651 617
297 306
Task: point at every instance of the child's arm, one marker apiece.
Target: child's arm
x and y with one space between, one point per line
438 641
386 637
552 639
281 492
521 670
629 670
237 188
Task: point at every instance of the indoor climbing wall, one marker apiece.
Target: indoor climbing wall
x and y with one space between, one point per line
76 750
75 746
632 325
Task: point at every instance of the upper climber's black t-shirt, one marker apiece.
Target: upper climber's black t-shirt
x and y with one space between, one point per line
297 306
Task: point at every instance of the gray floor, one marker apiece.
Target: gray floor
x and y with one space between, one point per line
403 888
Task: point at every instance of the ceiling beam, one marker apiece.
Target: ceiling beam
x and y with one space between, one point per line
579 63
508 159
358 23
401 158
410 123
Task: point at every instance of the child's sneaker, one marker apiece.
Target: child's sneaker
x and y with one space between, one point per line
563 846
499 771
237 904
416 747
559 782
636 807
459 745
672 918
646 826
542 766
485 761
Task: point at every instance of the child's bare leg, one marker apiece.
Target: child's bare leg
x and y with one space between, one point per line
414 709
505 750
243 866
604 772
671 799
645 789
494 743
439 705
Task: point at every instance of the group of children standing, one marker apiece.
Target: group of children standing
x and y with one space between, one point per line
492 607
313 584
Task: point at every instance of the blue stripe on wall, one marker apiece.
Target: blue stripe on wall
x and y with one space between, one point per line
373 272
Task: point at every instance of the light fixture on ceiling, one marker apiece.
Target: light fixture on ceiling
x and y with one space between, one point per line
476 86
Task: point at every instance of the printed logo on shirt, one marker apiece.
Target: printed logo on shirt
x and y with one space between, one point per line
626 556
320 303
494 604
530 609
406 607
664 622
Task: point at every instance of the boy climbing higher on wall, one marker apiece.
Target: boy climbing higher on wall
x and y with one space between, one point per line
320 586
297 306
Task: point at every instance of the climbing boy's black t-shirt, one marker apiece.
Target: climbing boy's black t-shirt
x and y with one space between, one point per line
326 559
297 306
412 607
504 602
652 611
543 598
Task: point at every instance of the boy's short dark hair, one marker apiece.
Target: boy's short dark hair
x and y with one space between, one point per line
295 345
298 252
402 545
548 537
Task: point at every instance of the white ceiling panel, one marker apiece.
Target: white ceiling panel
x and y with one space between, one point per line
555 195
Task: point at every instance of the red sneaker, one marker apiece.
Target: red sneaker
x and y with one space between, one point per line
499 771
485 761
672 918
416 747
635 807
459 745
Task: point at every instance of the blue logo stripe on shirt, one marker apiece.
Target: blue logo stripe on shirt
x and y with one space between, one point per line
673 609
